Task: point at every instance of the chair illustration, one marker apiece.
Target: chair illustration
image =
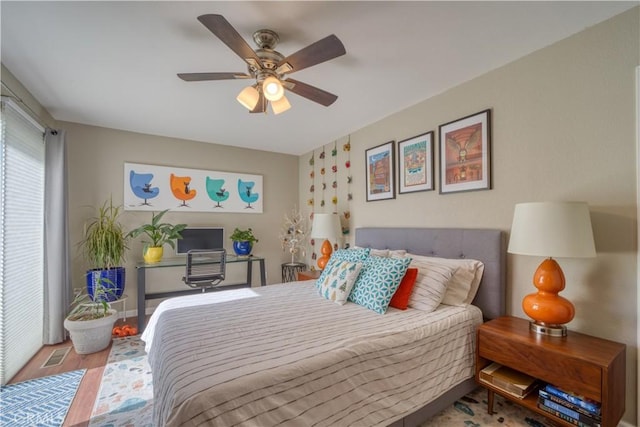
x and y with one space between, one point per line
216 192
244 189
180 188
205 268
141 186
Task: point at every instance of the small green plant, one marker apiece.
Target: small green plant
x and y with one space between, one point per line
158 233
104 240
239 235
85 308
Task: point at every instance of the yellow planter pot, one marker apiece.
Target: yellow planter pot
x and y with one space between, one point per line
153 254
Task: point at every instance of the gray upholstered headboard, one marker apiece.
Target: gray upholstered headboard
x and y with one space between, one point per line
482 244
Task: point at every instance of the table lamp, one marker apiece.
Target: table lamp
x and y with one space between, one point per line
551 229
325 226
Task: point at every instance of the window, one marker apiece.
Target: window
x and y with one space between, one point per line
21 237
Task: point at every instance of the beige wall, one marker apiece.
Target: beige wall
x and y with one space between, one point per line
563 129
96 159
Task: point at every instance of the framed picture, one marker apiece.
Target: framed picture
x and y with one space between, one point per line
380 172
415 163
465 154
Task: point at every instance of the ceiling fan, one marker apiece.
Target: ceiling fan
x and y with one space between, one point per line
269 68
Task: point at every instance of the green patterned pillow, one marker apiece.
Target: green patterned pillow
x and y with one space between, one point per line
339 281
351 255
378 281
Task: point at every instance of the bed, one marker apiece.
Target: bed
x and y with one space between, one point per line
280 355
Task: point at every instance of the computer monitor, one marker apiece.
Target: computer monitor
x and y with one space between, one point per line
200 238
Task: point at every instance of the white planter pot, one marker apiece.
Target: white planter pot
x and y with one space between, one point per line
90 336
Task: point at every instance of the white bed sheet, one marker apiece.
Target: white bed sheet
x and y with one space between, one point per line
281 355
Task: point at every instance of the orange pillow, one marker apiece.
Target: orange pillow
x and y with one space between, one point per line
401 297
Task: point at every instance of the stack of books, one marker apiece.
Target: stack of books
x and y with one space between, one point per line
508 380
570 407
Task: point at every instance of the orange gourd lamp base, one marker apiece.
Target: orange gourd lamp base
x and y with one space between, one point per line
326 251
549 310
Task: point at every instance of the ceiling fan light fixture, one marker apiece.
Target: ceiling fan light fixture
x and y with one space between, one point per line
249 97
272 89
281 105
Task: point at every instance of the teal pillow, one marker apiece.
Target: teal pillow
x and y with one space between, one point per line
379 279
351 255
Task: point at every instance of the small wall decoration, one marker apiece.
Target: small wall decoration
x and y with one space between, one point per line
465 155
155 188
380 172
415 164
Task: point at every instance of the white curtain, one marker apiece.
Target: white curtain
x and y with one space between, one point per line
57 291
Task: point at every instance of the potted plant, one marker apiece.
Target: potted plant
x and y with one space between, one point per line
91 320
243 241
158 233
103 245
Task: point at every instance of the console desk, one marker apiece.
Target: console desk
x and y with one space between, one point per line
143 296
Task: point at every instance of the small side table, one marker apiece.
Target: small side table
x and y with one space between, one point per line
309 274
290 271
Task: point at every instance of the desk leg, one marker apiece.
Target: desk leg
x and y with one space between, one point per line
249 272
141 292
263 275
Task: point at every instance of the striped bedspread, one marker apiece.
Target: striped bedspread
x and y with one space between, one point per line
281 355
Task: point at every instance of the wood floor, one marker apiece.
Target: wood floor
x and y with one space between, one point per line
82 404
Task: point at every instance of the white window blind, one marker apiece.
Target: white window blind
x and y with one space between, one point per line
21 235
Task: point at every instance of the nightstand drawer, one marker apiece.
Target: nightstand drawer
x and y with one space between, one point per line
543 363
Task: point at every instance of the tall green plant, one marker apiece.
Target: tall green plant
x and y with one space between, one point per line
158 232
105 241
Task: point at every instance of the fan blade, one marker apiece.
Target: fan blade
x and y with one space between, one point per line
197 77
229 36
310 92
323 50
261 106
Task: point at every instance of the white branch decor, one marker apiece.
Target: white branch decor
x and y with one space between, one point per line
293 233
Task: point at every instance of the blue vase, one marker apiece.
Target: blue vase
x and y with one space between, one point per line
112 280
242 248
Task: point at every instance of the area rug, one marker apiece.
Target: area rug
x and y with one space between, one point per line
125 397
471 411
39 402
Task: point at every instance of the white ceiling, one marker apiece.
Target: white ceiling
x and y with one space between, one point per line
114 64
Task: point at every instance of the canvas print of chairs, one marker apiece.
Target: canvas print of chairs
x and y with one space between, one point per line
141 186
180 188
244 190
216 192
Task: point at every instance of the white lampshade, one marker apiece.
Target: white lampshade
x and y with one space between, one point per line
272 88
281 105
552 229
249 97
325 226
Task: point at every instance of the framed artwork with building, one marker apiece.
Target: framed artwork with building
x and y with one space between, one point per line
380 165
465 154
415 164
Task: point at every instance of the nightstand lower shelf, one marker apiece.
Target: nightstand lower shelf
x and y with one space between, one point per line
583 364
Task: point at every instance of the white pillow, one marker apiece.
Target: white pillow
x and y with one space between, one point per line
464 283
387 253
338 282
431 284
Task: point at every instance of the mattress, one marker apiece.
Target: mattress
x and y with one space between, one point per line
281 355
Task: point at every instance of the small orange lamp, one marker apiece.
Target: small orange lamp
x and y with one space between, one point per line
325 226
552 229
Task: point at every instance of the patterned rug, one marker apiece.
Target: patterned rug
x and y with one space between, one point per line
39 402
126 397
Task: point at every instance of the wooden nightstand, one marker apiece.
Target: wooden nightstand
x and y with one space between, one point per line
589 366
309 274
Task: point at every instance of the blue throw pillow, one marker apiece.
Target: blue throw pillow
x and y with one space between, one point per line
351 255
378 281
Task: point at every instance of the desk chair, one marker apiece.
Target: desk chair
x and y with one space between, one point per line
205 268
